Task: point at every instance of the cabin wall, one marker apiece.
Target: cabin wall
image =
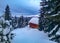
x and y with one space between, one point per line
33 25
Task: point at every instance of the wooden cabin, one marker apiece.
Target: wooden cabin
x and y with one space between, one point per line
33 23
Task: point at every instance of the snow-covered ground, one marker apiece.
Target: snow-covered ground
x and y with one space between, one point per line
30 35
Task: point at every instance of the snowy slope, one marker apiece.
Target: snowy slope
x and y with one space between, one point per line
29 35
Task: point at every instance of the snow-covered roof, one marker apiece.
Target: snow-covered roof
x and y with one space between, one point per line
34 20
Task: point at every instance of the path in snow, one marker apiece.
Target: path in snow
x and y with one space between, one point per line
29 35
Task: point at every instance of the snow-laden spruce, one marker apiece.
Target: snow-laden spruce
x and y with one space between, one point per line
30 35
5 30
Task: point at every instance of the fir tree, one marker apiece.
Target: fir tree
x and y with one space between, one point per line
21 21
43 11
52 23
7 15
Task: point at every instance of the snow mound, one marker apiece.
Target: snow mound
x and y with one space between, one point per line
29 35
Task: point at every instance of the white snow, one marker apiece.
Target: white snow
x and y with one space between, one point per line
29 35
58 32
49 12
53 29
7 22
52 37
55 15
6 30
45 6
34 20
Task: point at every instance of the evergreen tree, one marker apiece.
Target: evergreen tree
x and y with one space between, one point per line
43 11
5 30
14 22
26 21
7 15
21 21
51 15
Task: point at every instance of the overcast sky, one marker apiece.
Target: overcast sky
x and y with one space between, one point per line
21 6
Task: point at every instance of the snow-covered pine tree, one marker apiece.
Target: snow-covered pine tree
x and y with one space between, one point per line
5 31
7 14
21 21
56 28
6 27
15 22
43 11
26 21
51 12
54 16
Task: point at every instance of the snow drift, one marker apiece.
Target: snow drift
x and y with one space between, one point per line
29 35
